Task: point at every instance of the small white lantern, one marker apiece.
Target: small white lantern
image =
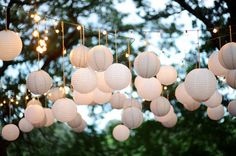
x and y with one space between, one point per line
147 64
10 132
79 56
231 78
232 107
166 117
76 121
171 122
56 93
200 84
132 103
227 57
82 99
192 106
214 100
64 110
34 114
39 82
34 102
10 45
100 58
81 127
216 113
138 81
160 106
117 76
101 97
167 75
25 126
49 117
132 117
102 84
117 100
121 133
40 124
84 80
215 66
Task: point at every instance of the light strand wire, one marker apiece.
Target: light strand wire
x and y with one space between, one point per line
63 54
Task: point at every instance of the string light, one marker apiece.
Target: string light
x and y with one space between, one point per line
4 102
17 102
27 97
35 33
46 31
78 27
215 30
37 18
165 87
1 105
57 31
12 100
104 32
127 55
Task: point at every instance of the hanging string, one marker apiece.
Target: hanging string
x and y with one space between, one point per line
116 47
9 107
219 42
83 34
38 38
198 48
230 33
130 67
99 36
106 38
6 21
80 35
63 53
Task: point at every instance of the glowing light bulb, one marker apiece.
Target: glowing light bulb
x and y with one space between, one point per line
46 31
165 87
127 55
78 27
12 100
26 97
4 101
215 30
35 33
37 18
57 31
104 32
17 102
45 38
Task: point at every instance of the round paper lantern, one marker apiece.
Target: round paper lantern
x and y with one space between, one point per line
10 45
200 84
227 57
76 121
64 110
117 76
84 80
132 117
215 66
34 114
41 124
216 113
171 122
34 102
82 99
138 81
166 117
39 82
167 75
49 117
147 64
232 108
10 132
149 89
117 100
56 93
160 106
231 78
81 127
192 106
100 58
101 83
132 103
214 100
25 126
101 97
121 133
79 56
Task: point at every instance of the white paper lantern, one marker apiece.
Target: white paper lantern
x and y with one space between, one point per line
171 122
82 99
147 64
76 121
56 93
10 45
227 56
64 110
149 89
34 102
231 78
200 84
34 114
192 106
49 117
138 81
101 83
214 100
121 133
79 56
117 100
167 75
41 124
25 126
132 117
232 107
10 132
81 127
39 82
160 106
215 66
117 76
216 113
166 117
132 103
100 58
101 97
84 80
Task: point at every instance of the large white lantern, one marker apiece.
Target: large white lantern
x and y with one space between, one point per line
34 114
171 122
167 75
81 127
100 58
10 45
200 84
147 64
82 99
138 81
231 78
56 93
79 56
227 56
39 82
101 83
101 97
25 126
166 117
84 80
215 66
160 106
117 100
49 117
132 117
232 107
64 110
132 103
118 76
121 133
76 121
10 132
34 102
214 100
40 124
149 89
216 113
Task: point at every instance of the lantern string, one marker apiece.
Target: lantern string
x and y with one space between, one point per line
198 48
99 36
80 34
106 38
230 33
116 46
83 34
9 107
6 20
219 42
38 38
63 53
130 67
